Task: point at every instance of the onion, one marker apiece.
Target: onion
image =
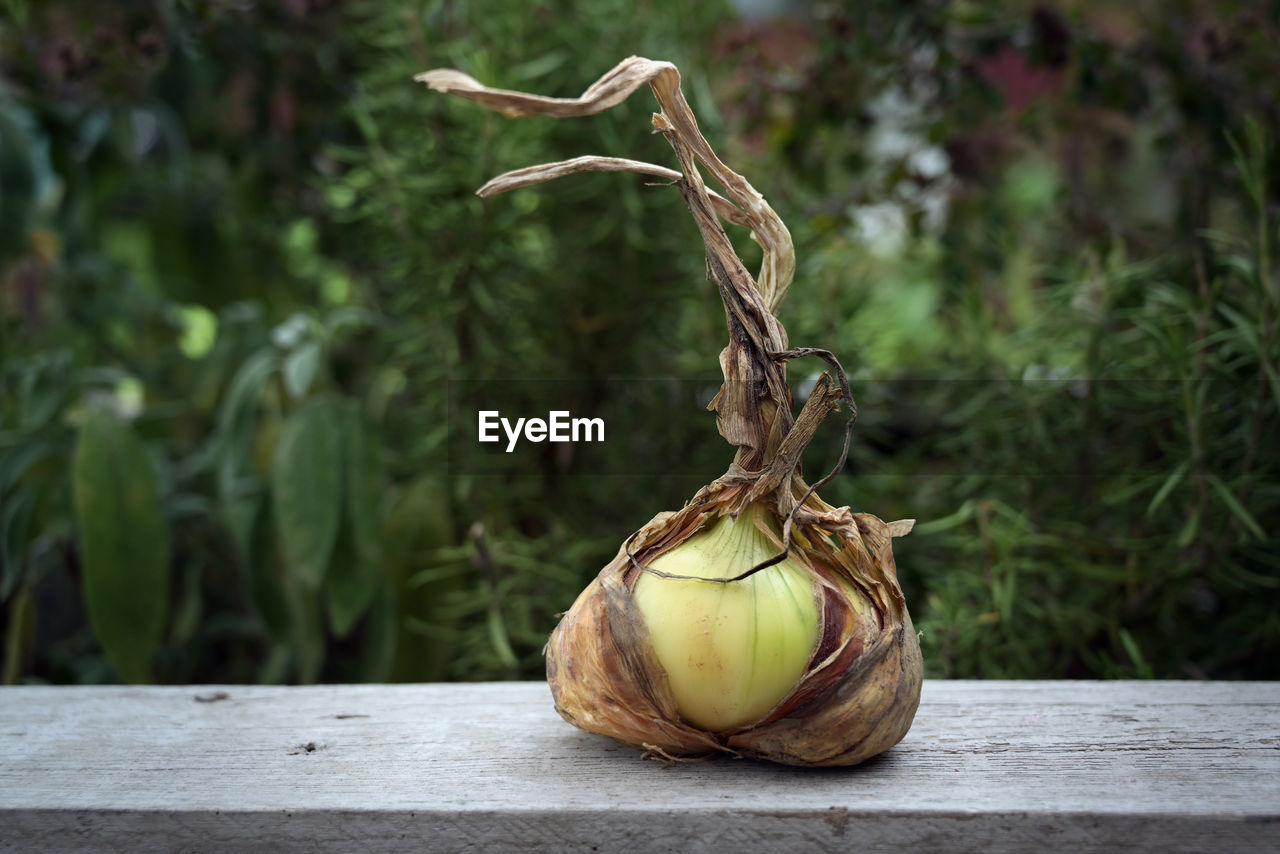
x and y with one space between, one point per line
731 651
757 620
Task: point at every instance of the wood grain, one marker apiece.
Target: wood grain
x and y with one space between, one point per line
991 766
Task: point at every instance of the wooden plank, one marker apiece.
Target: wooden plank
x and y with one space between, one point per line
990 766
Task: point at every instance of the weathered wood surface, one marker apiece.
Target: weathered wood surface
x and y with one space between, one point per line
988 766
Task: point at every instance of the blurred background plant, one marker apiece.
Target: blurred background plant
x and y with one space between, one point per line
243 266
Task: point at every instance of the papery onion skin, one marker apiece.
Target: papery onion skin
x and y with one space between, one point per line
855 702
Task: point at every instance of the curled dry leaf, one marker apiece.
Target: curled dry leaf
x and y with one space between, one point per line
757 620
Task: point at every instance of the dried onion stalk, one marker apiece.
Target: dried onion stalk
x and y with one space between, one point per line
757 620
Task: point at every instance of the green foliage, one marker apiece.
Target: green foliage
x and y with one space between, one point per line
123 543
306 490
1068 381
356 574
243 267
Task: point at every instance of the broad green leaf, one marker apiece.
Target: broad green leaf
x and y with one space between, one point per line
15 522
19 635
349 319
266 587
124 543
306 490
357 569
365 485
300 369
189 606
292 332
306 633
17 461
41 389
17 176
349 587
380 636
239 514
236 419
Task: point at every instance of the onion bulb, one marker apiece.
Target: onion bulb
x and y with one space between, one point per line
731 652
757 620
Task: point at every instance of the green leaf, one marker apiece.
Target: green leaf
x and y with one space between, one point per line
41 389
1248 329
365 485
356 571
17 461
307 634
347 319
380 637
19 635
349 585
189 606
124 544
1190 529
15 523
498 638
17 176
306 489
239 514
1175 477
266 588
946 523
235 417
300 369
1273 380
275 669
1241 513
1135 654
541 66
